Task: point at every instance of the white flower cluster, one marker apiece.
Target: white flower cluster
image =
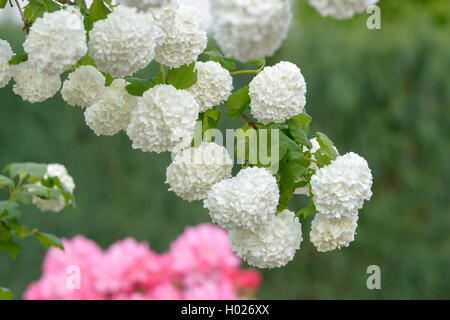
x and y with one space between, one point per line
83 87
195 170
340 188
246 201
164 120
341 9
250 29
32 85
271 246
124 42
6 70
56 41
111 114
164 14
277 93
214 85
329 233
185 41
55 205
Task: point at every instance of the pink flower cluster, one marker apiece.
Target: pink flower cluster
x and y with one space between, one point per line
199 266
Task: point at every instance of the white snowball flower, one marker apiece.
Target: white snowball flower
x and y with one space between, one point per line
330 234
164 15
271 246
6 70
313 165
144 5
32 85
214 85
341 9
185 41
56 41
195 170
340 188
83 87
246 201
250 29
55 205
111 114
277 93
164 120
124 42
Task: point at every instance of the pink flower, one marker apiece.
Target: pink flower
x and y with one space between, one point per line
211 290
165 291
244 280
202 248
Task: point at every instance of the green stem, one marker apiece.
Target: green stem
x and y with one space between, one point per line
244 72
163 72
315 161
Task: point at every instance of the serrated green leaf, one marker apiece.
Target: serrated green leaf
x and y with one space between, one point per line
98 11
6 294
303 118
238 102
217 56
5 181
210 119
49 240
138 86
297 133
12 247
289 173
182 77
36 169
306 211
36 9
18 58
326 146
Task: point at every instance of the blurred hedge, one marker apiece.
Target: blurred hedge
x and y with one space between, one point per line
383 94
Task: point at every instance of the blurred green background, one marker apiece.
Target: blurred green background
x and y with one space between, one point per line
381 93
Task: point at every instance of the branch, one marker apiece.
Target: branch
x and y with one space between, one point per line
26 26
249 121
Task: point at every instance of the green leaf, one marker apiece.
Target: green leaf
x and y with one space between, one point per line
35 169
259 62
287 145
18 58
306 211
326 146
85 61
182 77
12 247
298 134
210 119
6 294
12 209
227 63
288 174
303 118
36 9
238 102
3 5
98 11
49 240
5 182
137 86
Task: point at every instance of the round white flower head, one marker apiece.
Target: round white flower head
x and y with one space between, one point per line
214 85
251 29
341 9
313 165
55 205
83 87
246 201
164 15
195 170
6 70
144 5
56 41
340 188
277 93
111 113
164 120
185 41
32 85
271 246
124 42
330 234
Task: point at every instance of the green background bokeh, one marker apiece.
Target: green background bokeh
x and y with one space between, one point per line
384 94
